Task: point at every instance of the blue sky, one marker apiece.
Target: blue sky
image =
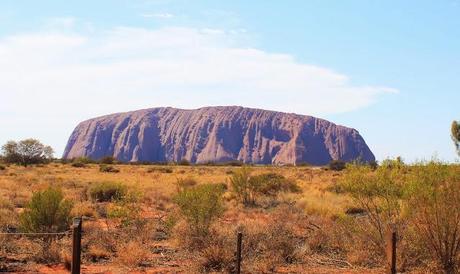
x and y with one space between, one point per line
387 68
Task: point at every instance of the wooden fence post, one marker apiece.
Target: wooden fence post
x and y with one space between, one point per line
238 252
391 250
76 245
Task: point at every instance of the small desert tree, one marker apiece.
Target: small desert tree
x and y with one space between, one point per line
47 211
455 134
379 193
27 152
434 201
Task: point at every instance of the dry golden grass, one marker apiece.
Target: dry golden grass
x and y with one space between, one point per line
148 238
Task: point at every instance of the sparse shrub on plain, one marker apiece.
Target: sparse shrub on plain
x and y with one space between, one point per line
2 167
47 211
337 165
126 211
81 162
97 253
8 216
107 160
83 159
86 209
270 184
380 194
107 191
243 187
160 170
200 206
108 169
248 188
78 164
184 162
434 204
266 245
133 254
184 183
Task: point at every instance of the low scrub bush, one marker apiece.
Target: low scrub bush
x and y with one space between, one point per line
160 170
270 184
126 212
183 162
78 165
107 191
380 194
184 183
86 209
200 206
133 254
83 160
266 245
8 216
108 169
47 211
2 167
434 205
337 165
244 188
107 160
249 188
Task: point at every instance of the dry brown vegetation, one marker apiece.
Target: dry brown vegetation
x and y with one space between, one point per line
137 219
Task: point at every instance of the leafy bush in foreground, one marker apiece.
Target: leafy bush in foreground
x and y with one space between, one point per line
200 206
47 211
434 204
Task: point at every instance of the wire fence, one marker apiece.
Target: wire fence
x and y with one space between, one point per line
76 233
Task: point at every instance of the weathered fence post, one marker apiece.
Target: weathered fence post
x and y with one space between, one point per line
391 250
76 245
238 252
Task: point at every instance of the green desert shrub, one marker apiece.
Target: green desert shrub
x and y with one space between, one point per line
249 188
433 201
270 184
243 187
47 211
200 206
184 183
108 169
380 194
83 159
81 162
127 211
107 160
337 165
78 164
184 162
160 170
107 191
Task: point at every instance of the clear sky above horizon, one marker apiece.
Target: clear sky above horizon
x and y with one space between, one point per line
390 69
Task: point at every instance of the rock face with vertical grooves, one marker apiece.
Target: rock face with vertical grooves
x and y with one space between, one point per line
216 134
